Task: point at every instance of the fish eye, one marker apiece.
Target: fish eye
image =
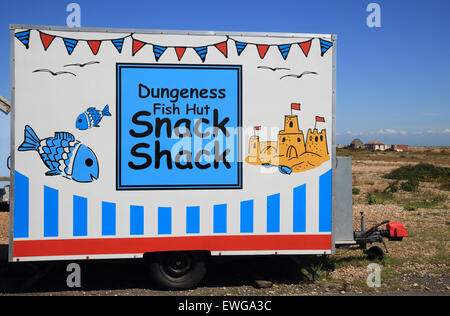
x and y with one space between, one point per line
80 120
89 162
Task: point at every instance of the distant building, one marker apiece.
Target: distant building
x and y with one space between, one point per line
376 145
400 147
356 144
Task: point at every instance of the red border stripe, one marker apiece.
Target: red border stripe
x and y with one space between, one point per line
108 246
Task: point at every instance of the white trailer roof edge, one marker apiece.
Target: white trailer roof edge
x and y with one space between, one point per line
332 37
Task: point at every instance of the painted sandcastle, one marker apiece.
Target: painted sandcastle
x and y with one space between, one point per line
290 153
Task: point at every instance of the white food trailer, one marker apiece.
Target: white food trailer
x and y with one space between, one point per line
128 143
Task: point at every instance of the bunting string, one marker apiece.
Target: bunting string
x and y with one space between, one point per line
158 50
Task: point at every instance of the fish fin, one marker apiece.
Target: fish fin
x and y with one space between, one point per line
31 141
105 111
64 135
90 109
52 173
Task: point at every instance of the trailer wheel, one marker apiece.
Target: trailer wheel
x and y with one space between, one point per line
177 270
374 253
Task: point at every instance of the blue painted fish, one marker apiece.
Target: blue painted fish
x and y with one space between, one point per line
91 117
63 155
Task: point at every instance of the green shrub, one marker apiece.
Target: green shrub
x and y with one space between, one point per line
411 185
421 172
372 199
355 191
392 187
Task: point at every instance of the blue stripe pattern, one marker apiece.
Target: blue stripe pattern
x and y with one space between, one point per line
50 212
193 220
201 51
158 51
247 216
118 44
300 209
136 220
24 37
240 47
108 219
21 205
284 50
164 220
325 187
80 219
273 213
70 44
220 219
325 46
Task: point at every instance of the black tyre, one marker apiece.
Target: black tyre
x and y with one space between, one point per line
177 270
375 253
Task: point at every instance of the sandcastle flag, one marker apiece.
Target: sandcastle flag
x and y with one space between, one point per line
295 106
319 119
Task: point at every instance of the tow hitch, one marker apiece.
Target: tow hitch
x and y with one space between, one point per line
393 232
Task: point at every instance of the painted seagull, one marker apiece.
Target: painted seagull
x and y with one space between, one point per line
300 75
55 73
83 65
273 69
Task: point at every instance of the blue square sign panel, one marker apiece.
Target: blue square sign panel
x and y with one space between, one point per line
179 127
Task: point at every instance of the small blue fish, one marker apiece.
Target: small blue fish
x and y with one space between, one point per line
63 155
91 117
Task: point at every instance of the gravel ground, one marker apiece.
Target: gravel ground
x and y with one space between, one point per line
416 266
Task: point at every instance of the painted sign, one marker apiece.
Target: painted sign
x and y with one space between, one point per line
131 142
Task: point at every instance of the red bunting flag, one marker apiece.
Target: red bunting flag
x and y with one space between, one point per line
94 46
320 119
137 45
305 46
262 50
46 40
222 47
180 52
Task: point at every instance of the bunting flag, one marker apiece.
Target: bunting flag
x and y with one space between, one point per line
94 46
70 44
284 50
24 37
262 50
118 44
180 52
305 46
222 47
240 47
324 46
46 40
137 45
202 51
158 51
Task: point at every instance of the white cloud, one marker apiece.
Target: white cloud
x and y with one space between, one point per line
403 133
446 131
387 131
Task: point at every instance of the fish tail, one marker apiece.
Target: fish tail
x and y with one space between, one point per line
31 141
105 111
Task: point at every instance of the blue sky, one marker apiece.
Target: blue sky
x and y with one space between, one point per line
393 82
